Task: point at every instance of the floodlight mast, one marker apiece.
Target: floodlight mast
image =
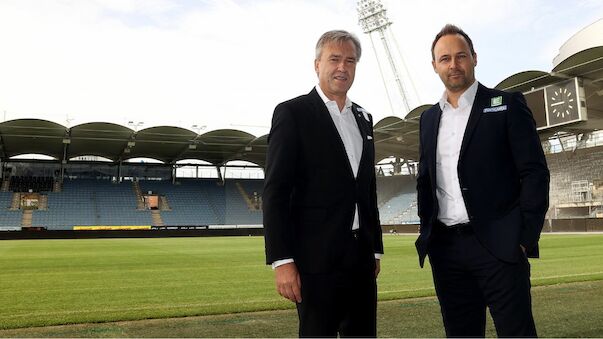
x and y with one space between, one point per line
373 19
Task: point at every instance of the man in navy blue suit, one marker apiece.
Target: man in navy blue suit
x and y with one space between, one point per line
483 187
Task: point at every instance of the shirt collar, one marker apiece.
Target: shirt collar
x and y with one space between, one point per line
348 102
466 99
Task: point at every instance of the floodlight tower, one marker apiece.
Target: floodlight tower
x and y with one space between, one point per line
400 89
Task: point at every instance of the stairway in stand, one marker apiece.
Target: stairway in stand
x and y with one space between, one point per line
164 205
57 186
5 185
26 218
243 193
139 198
156 216
15 202
43 202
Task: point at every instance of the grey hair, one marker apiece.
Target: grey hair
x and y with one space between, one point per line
338 36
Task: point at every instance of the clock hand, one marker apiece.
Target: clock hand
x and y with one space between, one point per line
558 103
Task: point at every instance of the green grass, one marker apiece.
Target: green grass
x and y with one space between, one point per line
565 310
52 282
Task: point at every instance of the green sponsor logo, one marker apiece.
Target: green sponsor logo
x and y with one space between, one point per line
496 101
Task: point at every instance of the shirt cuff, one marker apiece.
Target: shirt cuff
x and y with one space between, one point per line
286 261
281 262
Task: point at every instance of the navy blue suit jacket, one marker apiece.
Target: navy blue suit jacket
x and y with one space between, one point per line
502 172
310 190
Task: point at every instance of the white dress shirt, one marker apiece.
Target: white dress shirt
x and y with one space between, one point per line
450 137
352 141
350 135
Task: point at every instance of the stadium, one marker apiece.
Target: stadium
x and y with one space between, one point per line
108 223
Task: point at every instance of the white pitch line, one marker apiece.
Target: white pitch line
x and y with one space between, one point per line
567 275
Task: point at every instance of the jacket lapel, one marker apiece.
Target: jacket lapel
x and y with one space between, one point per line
323 118
364 126
476 112
433 129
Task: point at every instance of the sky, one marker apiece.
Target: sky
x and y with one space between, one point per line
219 64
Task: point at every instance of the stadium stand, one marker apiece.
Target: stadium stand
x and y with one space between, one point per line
582 165
207 202
86 202
30 183
397 200
391 186
187 202
8 219
242 202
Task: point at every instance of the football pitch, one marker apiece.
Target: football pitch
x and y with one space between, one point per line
55 282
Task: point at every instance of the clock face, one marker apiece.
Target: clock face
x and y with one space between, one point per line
562 102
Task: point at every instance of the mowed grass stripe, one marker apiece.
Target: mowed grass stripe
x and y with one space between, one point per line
49 282
572 310
163 306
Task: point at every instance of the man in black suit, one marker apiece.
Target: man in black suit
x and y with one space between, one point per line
321 223
483 187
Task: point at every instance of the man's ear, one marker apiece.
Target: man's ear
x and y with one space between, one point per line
434 66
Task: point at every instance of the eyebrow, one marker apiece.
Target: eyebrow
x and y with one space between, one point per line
448 55
341 56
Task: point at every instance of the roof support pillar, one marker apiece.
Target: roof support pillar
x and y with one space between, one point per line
173 174
220 176
66 142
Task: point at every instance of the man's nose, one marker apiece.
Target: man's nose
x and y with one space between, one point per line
453 63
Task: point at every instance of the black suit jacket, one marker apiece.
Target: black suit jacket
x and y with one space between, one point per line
310 190
502 172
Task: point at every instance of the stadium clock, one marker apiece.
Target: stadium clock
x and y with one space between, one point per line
563 102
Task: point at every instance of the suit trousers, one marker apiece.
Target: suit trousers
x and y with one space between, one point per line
468 279
343 301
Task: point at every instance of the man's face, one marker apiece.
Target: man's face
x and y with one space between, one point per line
454 62
336 68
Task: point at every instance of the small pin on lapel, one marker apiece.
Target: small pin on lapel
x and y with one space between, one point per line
496 101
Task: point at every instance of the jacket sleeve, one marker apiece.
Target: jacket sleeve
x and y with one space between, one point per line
378 233
530 163
424 189
281 162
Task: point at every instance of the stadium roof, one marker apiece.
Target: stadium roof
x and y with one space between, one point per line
527 81
588 66
393 137
398 137
117 143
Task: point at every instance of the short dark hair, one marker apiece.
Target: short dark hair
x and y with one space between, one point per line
338 36
450 29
